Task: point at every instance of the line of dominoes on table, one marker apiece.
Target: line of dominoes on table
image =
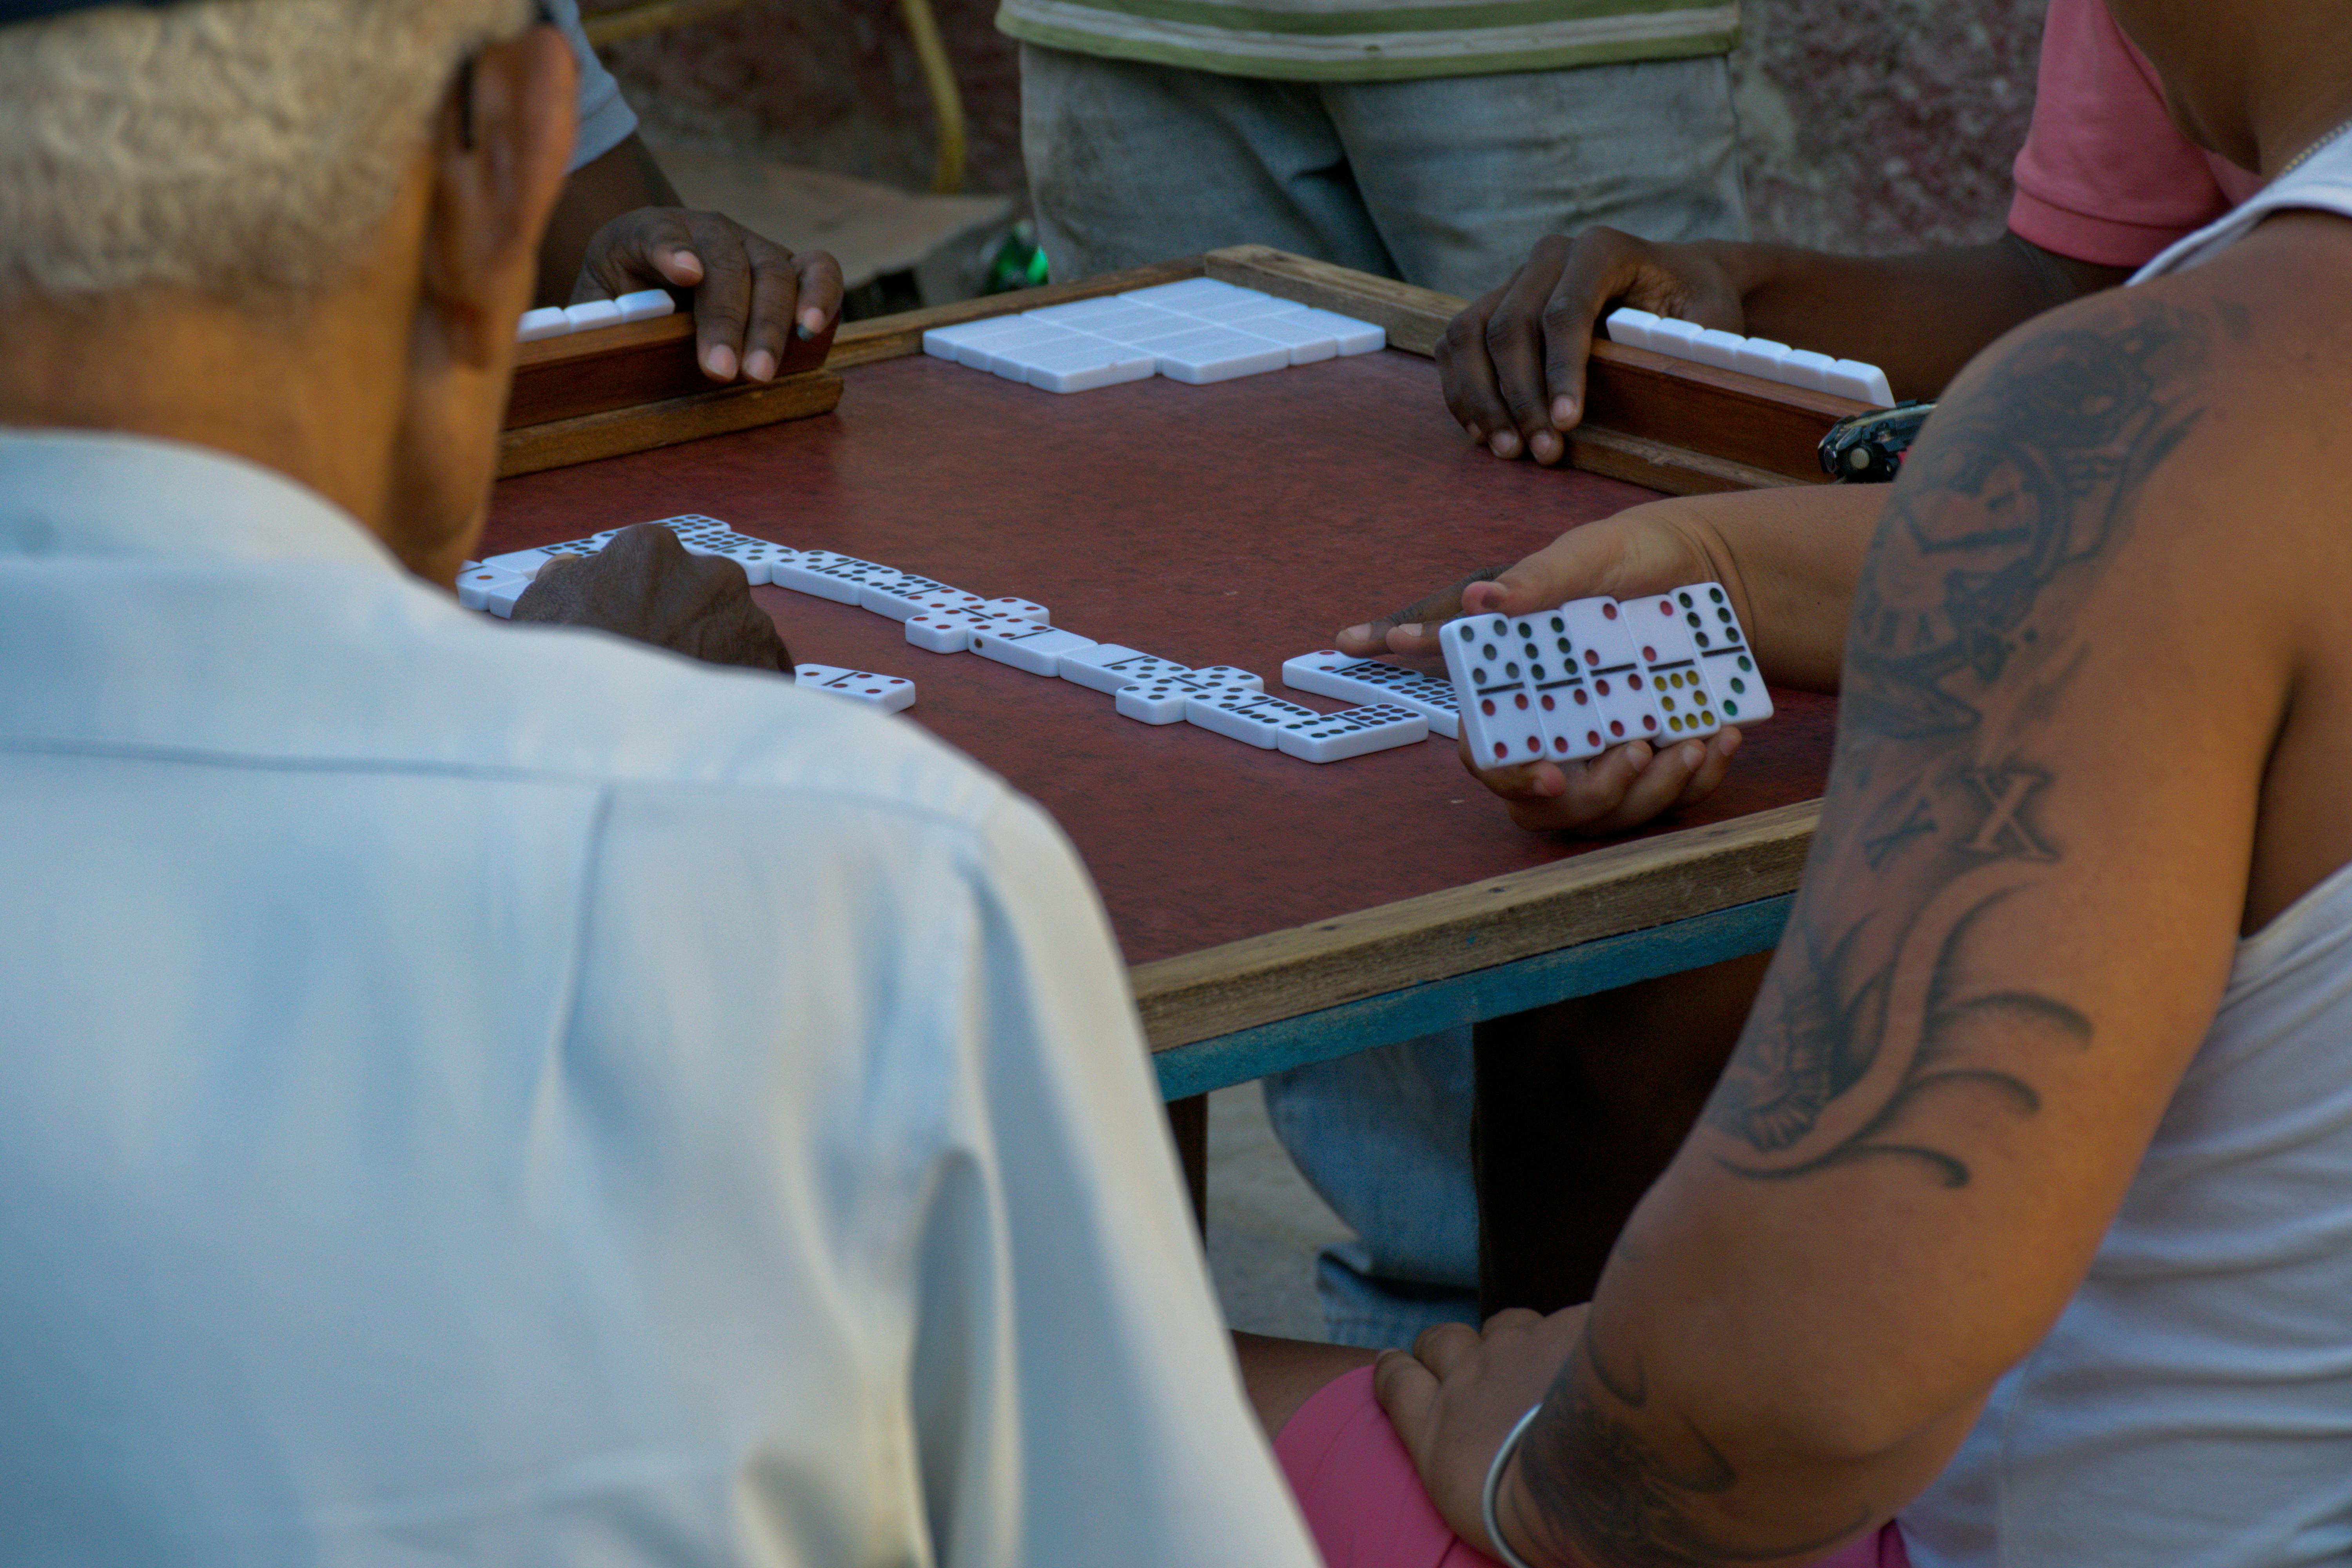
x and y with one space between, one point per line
1561 685
1396 707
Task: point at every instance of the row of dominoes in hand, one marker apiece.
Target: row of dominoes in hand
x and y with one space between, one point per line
1198 330
556 320
1572 682
1757 356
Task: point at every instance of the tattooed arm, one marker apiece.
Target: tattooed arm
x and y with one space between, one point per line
2068 669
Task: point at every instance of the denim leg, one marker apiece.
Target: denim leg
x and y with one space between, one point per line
1464 175
1384 1136
1132 163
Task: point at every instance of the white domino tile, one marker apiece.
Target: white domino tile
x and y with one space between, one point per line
829 576
1330 673
1809 370
1670 657
1248 305
1026 645
1612 668
1226 676
1671 335
1307 344
890 693
1862 382
548 321
1629 325
1161 700
590 314
645 304
476 584
1352 733
1253 718
1128 322
910 596
1725 659
1078 313
1718 348
948 343
1018 608
1354 337
1085 367
1183 295
944 631
1208 354
1762 356
499 599
1491 679
1107 667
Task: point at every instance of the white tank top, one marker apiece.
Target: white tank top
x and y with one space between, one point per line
2192 1407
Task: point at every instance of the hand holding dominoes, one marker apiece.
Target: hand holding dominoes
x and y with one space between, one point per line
645 584
1650 686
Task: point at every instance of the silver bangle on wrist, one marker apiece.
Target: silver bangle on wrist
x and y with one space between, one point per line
1494 1487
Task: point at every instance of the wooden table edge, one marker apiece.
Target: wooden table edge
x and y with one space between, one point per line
1603 893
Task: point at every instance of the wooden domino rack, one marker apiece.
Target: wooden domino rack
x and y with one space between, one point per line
1273 913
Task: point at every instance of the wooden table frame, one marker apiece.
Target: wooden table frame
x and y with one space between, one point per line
1591 922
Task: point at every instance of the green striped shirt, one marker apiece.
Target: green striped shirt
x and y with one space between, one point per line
1375 40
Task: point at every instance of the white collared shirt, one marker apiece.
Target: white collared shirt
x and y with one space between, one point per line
486 1094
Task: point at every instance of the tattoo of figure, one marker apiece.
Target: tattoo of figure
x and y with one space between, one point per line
1958 650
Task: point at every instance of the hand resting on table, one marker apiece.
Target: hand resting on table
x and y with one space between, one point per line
645 586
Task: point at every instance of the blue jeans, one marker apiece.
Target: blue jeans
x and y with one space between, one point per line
1445 181
1384 1135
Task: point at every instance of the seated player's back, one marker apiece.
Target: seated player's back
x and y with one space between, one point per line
477 1094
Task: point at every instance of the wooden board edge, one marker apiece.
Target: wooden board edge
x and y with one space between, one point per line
896 336
1608 892
559 443
1413 317
1678 470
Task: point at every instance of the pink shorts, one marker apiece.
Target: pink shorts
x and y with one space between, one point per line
1363 1501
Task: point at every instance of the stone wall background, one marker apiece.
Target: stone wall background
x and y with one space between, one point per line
1870 125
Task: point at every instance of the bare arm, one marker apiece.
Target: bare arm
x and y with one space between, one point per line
1512 364
2014 928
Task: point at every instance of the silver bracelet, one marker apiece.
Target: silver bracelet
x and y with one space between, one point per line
1495 1485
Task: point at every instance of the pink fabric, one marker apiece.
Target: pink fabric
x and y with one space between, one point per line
1358 1487
2104 176
1364 1502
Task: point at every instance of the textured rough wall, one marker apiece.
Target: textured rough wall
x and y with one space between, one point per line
1870 124
1878 125
831 84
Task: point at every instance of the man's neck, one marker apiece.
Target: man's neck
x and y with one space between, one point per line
211 377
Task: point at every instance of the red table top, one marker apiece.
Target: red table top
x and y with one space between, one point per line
1238 523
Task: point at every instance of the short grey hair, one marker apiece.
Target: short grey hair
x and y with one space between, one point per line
246 149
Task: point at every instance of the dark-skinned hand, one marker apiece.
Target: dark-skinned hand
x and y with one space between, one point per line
1644 550
1512 363
750 294
645 586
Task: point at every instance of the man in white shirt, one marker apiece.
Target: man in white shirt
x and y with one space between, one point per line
489 1094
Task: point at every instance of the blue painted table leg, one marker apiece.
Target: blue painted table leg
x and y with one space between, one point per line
1481 994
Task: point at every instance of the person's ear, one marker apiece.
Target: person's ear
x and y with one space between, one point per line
499 151
496 165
